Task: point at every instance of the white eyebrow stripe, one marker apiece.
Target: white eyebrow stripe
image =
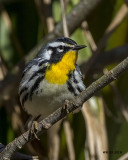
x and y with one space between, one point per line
56 44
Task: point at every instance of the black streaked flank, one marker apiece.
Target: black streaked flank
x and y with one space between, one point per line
34 75
78 88
23 90
70 88
74 78
75 81
24 99
35 86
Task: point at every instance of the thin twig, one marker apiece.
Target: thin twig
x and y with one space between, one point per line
44 9
118 97
96 140
48 14
67 128
113 56
87 68
60 113
39 7
88 34
65 27
54 141
3 69
124 157
69 140
96 128
122 13
76 16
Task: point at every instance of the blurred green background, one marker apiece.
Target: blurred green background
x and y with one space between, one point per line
23 24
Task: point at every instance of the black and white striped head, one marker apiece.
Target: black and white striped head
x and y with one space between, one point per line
54 50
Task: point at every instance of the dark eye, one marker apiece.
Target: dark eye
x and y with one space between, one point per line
60 49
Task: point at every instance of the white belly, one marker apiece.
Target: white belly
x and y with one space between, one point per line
50 98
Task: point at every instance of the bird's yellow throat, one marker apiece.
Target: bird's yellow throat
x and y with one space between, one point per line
58 73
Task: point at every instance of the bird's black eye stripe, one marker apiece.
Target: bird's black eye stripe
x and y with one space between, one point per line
61 47
65 48
52 48
57 55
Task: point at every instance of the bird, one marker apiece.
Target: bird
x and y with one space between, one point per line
51 77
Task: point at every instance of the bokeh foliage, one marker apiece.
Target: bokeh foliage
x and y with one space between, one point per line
26 31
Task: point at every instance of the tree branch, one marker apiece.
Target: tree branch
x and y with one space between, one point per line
123 157
59 114
20 156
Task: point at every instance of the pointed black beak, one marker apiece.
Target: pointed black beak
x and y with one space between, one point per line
79 47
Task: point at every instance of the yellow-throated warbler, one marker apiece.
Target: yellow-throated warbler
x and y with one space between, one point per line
51 78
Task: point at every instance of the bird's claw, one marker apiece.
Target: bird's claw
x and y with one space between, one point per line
34 128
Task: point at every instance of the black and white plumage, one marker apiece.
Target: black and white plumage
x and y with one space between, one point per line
37 95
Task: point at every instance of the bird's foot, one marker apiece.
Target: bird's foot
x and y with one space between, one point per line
34 128
66 105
